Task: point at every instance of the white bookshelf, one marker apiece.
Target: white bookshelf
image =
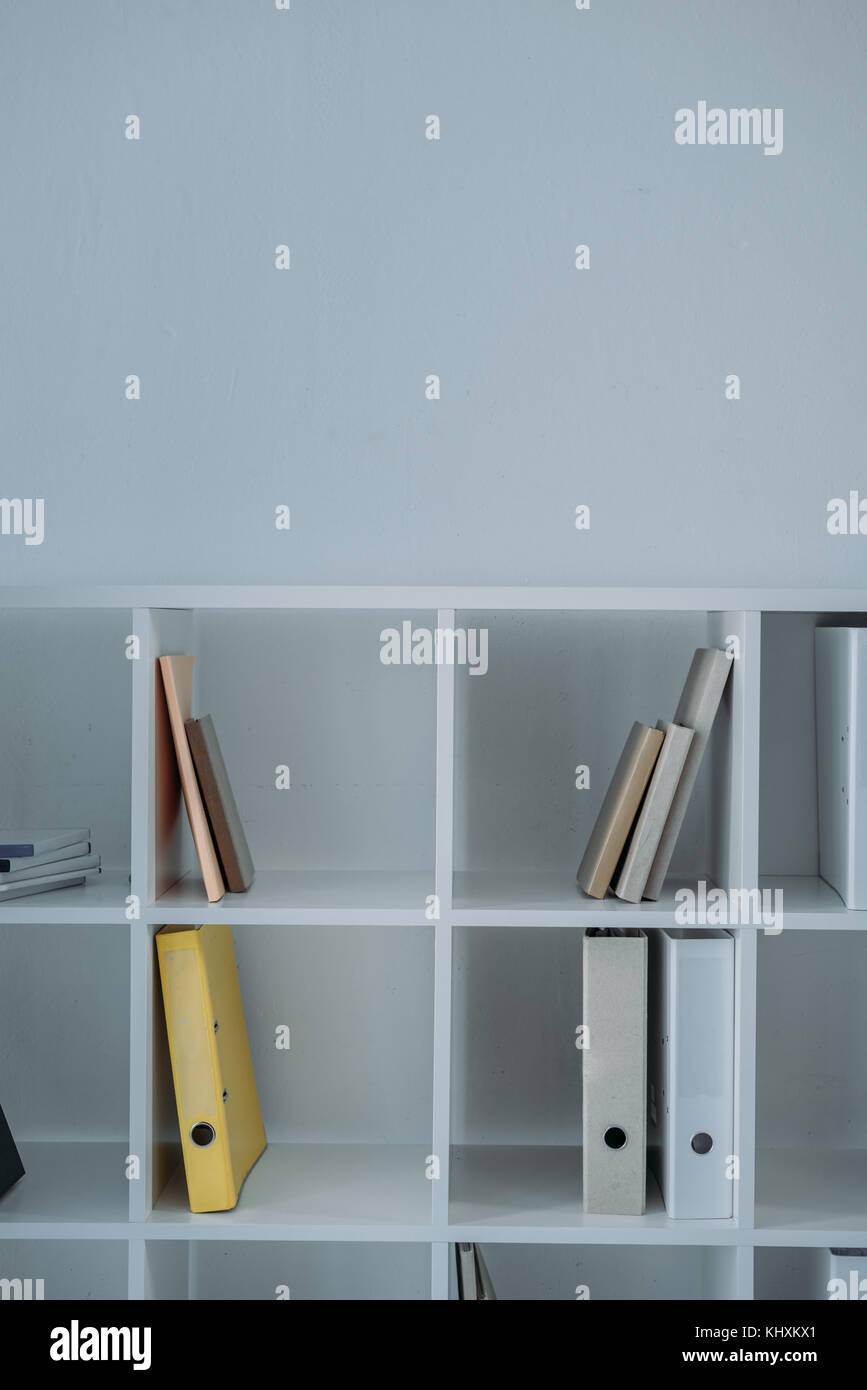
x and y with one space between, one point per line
411 1036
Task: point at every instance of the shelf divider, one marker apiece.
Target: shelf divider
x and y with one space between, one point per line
445 754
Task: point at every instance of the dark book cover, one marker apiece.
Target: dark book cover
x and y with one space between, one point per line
11 1167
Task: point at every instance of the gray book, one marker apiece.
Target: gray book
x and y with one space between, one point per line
51 856
226 828
648 828
696 710
40 885
25 844
80 864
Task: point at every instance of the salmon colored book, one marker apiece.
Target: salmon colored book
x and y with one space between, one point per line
177 674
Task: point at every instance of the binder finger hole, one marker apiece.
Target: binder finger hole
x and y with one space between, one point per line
701 1143
615 1137
203 1134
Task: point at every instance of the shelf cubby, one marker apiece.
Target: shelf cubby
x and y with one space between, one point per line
562 691
347 1106
65 747
516 1089
811 1085
353 832
64 1041
786 1273
789 813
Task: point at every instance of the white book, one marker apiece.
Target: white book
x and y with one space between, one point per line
51 856
691 1070
841 761
696 709
40 885
19 844
80 864
650 822
614 1071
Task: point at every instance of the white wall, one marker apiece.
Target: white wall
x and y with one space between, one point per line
411 257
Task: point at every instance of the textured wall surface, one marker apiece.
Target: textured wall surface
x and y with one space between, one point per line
410 257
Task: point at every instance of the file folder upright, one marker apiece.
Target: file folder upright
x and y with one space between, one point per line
615 1071
841 747
222 1133
691 1070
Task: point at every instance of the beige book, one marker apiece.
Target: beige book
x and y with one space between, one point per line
696 708
647 832
177 674
619 809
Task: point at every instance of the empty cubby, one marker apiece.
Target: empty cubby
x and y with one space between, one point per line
553 709
811 1081
788 806
347 1104
64 1040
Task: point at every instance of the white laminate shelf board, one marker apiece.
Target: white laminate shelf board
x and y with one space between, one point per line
308 897
530 897
318 1184
67 1182
98 901
825 1189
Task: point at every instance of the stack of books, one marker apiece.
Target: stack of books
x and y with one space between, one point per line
36 861
636 830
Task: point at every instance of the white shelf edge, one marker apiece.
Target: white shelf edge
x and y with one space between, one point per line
689 1233
463 597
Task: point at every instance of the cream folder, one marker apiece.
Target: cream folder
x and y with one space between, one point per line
615 1071
691 1070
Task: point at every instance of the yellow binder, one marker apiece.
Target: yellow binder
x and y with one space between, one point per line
218 1107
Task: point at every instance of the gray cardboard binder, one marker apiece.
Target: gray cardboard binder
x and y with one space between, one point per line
615 1071
222 812
696 709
